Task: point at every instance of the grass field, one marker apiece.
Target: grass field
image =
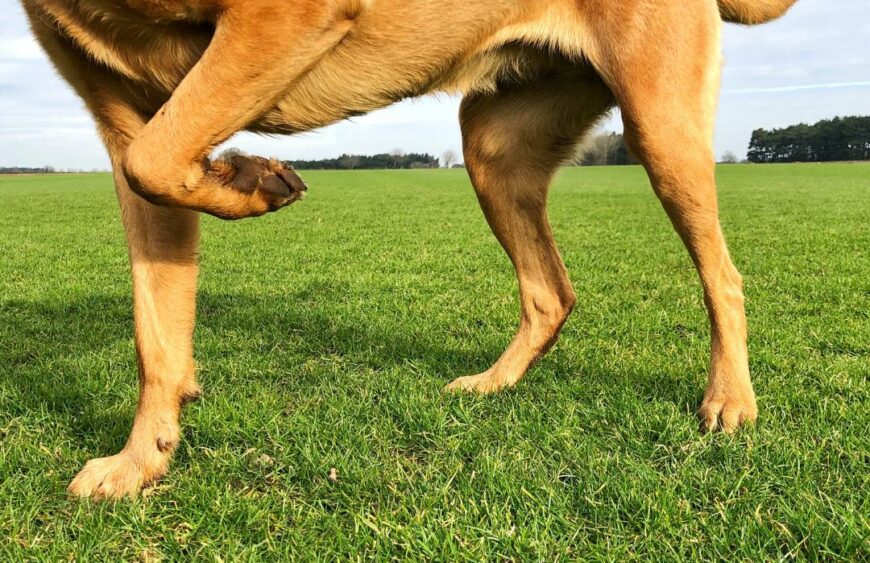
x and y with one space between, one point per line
327 331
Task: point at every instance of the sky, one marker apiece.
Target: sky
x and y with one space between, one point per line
812 64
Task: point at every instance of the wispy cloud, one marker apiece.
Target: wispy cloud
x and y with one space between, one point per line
799 87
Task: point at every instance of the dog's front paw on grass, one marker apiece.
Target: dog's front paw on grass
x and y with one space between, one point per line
118 476
727 411
482 384
268 185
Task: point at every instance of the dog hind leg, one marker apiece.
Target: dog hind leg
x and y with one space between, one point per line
514 141
666 88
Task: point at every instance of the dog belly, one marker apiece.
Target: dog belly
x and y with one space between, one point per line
322 98
399 50
395 49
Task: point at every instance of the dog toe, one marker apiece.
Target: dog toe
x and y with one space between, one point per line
114 477
727 413
483 384
268 181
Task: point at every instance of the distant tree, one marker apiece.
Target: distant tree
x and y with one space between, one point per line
27 170
368 162
840 138
602 149
605 147
729 157
397 156
348 161
449 158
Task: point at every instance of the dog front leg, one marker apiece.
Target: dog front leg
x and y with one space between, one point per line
260 48
163 257
163 247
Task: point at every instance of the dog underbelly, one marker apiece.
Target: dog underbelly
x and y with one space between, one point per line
400 50
392 51
395 49
322 98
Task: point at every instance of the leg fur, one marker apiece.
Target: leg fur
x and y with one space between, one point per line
163 256
513 142
666 89
162 246
259 49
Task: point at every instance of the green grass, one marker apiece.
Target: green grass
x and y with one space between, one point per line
327 331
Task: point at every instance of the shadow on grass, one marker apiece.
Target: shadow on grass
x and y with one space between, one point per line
63 356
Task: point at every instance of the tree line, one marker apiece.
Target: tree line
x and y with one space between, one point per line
395 160
47 170
840 138
837 139
602 150
26 170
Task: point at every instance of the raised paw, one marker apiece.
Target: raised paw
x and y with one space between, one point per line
113 477
727 411
268 183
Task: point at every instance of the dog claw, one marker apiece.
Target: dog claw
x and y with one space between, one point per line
727 413
114 477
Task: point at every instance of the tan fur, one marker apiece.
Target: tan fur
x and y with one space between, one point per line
168 80
753 11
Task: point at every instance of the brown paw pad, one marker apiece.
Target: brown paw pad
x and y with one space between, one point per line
278 185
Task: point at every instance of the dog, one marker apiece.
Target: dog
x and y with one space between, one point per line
168 80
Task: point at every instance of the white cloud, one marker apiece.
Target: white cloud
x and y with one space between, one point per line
797 88
21 48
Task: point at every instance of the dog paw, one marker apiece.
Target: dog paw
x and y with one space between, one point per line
483 384
727 411
114 477
268 183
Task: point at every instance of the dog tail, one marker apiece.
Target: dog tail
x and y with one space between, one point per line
751 12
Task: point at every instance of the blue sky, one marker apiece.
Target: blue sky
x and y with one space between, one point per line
812 64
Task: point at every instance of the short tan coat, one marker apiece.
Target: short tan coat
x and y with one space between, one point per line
168 80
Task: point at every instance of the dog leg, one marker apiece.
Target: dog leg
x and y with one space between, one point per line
513 142
163 255
163 246
163 251
259 49
667 90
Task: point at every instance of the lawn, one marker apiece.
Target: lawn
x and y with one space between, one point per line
327 331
